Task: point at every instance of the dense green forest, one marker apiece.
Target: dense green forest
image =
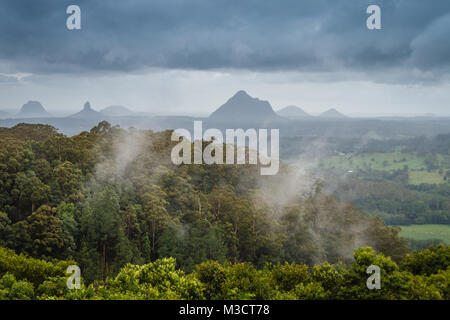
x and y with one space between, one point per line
140 227
422 275
405 182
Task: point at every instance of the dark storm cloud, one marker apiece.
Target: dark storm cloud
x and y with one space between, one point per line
312 35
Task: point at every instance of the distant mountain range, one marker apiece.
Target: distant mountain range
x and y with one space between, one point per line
243 108
34 109
294 112
240 111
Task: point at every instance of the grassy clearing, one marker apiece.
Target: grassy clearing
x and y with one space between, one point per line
426 232
418 177
390 162
376 161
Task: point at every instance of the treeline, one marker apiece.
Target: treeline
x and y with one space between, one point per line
388 193
292 146
418 245
109 197
422 145
422 275
397 204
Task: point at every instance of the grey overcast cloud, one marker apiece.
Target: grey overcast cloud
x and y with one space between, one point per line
188 57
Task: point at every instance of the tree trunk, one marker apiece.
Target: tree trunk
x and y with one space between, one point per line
153 238
103 261
235 243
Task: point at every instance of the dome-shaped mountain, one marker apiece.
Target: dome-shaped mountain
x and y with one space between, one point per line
32 109
332 114
241 107
117 111
292 112
87 112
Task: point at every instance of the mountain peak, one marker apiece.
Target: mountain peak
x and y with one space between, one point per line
241 94
332 113
242 107
117 111
87 106
87 112
292 112
32 109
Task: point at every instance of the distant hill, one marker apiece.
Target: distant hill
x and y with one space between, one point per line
117 111
242 107
293 112
33 109
87 112
332 114
4 114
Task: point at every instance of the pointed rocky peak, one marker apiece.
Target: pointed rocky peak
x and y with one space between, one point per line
242 107
87 112
87 106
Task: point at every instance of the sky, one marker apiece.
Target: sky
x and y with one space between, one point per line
188 57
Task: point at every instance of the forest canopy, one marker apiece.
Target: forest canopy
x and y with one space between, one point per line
112 201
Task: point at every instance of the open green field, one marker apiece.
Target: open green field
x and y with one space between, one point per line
417 168
426 232
418 177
